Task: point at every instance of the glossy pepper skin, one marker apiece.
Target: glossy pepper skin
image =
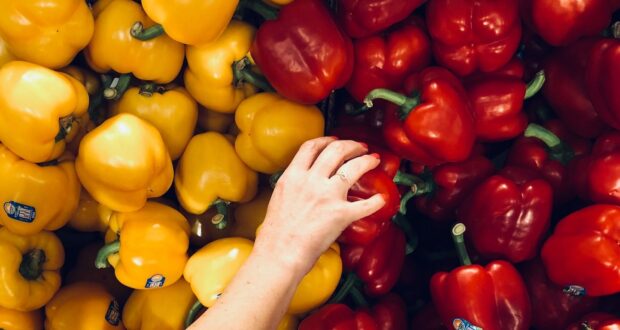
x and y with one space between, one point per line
363 18
210 76
5 54
191 22
34 197
249 216
153 246
16 320
384 61
163 309
597 175
173 112
37 107
601 73
473 35
86 217
48 33
96 307
272 129
379 263
387 314
508 214
439 128
583 250
323 58
31 286
113 48
493 297
596 321
210 169
123 162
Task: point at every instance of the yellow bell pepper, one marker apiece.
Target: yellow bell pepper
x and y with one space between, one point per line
210 170
206 227
5 54
49 33
151 250
113 48
86 217
29 269
250 215
86 77
123 162
173 112
164 309
279 2
272 130
215 75
83 306
37 108
191 22
36 197
214 121
16 320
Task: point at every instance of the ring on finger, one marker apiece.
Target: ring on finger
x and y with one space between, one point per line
342 177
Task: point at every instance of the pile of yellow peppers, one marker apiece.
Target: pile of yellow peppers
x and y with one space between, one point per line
134 134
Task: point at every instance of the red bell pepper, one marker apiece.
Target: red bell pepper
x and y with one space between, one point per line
602 78
435 126
363 18
601 170
583 252
490 298
565 88
384 61
508 214
379 263
597 321
552 308
303 53
388 314
561 22
365 230
473 35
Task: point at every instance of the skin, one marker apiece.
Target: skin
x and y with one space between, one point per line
307 212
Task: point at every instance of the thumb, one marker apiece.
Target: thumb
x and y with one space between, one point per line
363 208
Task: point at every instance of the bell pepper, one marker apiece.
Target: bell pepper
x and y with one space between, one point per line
123 162
384 61
303 53
210 170
473 35
96 307
16 320
48 33
552 308
435 125
597 174
472 297
387 314
218 74
5 54
288 322
206 227
29 269
164 309
191 22
583 252
249 216
596 321
508 214
272 129
363 18
113 48
561 23
86 217
379 263
36 197
172 111
150 252
37 108
565 88
209 120
601 71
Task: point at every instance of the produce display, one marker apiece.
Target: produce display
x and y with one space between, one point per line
140 142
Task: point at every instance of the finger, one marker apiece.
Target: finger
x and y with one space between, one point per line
363 208
309 151
335 154
351 171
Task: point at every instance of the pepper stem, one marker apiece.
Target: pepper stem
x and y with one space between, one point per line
101 261
399 99
535 85
459 242
358 298
193 313
242 71
558 150
345 288
585 326
418 186
139 32
149 88
65 124
220 220
615 30
412 237
266 11
31 266
116 87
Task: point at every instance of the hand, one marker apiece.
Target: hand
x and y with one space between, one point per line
309 208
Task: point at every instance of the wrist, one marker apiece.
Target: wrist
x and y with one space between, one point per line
283 255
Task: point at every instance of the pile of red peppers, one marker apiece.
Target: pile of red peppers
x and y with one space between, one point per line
498 127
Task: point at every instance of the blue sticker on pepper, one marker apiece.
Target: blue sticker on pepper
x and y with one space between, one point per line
575 290
113 315
20 212
155 281
462 324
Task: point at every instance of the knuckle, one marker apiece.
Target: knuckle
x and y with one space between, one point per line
309 145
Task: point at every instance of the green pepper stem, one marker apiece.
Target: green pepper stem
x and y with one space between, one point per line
558 150
351 110
459 242
139 32
535 85
615 30
101 261
585 326
64 127
418 186
358 298
242 71
412 238
344 289
31 266
193 313
116 87
405 102
266 11
220 220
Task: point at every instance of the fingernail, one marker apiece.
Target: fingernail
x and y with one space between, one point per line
333 137
376 155
364 145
